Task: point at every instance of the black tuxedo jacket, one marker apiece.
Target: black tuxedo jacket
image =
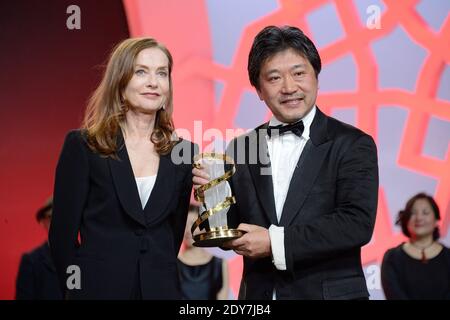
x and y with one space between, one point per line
37 279
123 248
328 215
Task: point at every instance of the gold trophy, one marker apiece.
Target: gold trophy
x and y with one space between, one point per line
216 199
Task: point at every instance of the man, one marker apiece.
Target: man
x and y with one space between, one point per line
310 207
37 279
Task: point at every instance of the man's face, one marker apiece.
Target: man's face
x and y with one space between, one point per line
288 85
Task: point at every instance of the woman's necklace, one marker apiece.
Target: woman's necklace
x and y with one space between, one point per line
422 249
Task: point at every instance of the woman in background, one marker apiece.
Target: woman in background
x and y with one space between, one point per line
202 275
420 268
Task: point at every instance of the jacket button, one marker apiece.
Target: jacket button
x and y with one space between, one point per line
144 245
139 232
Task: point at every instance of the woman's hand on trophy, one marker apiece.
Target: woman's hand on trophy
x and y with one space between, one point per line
199 176
254 244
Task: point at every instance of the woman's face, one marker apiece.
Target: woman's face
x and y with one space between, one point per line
422 221
149 88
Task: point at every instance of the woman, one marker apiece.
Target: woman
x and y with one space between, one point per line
119 184
202 275
419 268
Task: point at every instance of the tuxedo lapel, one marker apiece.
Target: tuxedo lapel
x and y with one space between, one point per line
162 191
125 184
307 168
262 175
303 179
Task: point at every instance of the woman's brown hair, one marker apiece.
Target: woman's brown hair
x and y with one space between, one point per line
105 112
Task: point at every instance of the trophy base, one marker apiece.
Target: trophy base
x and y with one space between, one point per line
215 238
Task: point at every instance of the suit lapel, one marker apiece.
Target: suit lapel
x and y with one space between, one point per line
262 176
125 184
307 168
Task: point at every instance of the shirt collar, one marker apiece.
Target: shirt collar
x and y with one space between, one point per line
307 120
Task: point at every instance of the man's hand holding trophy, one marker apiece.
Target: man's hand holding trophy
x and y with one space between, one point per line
215 197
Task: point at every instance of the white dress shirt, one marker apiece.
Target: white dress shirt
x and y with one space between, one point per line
284 153
145 187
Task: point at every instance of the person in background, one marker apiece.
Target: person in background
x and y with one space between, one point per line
202 275
37 278
418 269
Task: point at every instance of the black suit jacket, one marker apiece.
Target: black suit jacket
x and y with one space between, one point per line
329 212
37 279
123 248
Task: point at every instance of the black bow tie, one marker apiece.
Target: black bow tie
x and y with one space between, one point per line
296 128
